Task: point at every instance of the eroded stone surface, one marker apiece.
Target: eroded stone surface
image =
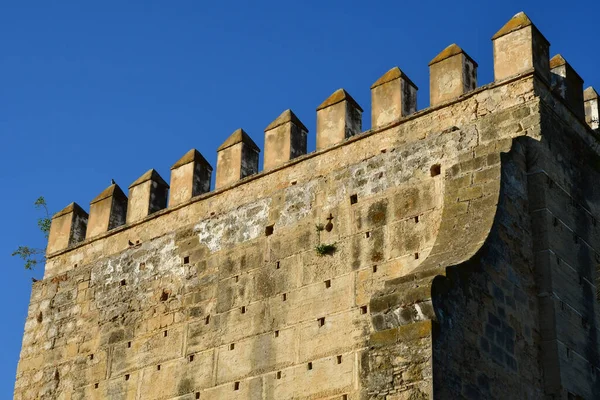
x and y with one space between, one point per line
462 245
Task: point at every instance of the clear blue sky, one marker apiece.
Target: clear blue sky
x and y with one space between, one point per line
97 90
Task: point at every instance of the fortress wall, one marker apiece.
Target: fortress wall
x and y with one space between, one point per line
314 279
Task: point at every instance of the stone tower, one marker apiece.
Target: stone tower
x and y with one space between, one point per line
445 253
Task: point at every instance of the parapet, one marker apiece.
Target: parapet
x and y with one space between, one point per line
107 211
519 50
452 73
519 47
567 83
237 158
190 177
285 139
68 228
592 108
338 118
393 96
147 195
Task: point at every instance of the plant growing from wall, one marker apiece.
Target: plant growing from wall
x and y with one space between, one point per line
323 249
33 256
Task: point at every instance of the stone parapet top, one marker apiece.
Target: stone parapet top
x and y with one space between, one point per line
190 156
112 190
73 207
590 94
448 52
392 74
337 97
150 175
519 21
239 136
285 117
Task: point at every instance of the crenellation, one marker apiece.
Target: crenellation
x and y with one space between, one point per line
237 158
107 211
393 96
147 195
592 108
190 177
339 117
462 245
285 139
567 83
452 74
68 228
519 47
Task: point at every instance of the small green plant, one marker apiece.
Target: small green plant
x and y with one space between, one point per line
325 249
319 227
30 255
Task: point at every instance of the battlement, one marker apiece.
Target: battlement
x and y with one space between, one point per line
519 48
447 252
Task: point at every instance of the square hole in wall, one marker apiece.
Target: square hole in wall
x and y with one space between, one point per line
123 282
321 321
165 333
363 309
158 367
416 256
269 230
284 297
127 377
128 345
417 219
344 397
243 309
164 295
353 199
278 374
276 334
191 358
435 170
367 234
197 395
237 278
207 320
309 366
91 356
236 386
186 259
374 268
96 385
277 265
327 283
339 359
232 346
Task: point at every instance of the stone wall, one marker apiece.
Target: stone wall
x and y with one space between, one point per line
444 253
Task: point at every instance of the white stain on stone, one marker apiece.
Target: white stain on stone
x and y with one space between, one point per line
298 203
245 223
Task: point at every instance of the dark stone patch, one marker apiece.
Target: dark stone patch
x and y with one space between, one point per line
377 214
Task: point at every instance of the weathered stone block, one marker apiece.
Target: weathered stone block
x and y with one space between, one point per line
452 73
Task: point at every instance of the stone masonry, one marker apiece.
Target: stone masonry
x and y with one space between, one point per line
446 253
